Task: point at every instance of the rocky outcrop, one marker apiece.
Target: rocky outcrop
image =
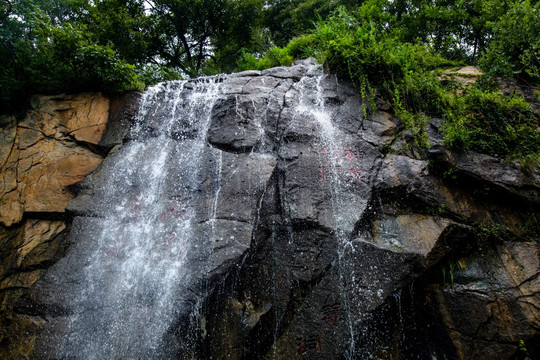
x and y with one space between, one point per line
402 222
54 145
493 303
321 231
48 150
27 251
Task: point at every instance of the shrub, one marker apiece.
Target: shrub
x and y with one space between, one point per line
362 49
66 58
514 51
297 48
494 124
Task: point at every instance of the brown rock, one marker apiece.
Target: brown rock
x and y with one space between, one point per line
467 75
21 280
26 247
25 251
507 177
39 157
47 168
494 302
469 70
38 246
382 129
11 208
409 233
82 116
412 176
8 131
20 337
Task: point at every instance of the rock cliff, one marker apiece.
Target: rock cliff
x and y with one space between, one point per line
54 145
320 230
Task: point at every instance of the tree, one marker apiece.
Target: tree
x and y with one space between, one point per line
124 24
514 50
286 19
114 45
45 48
456 28
189 34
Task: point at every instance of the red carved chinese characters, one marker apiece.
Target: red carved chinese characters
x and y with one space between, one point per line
322 173
307 345
343 165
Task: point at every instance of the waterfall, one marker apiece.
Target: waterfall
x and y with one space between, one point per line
211 167
340 172
133 282
272 214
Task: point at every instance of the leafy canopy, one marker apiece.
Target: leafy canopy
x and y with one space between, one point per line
118 45
394 48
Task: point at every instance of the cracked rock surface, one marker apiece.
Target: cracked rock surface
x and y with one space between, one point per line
331 237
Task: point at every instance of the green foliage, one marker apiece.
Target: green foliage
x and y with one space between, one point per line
489 234
123 25
274 57
493 124
450 269
523 353
66 58
442 210
503 34
361 49
414 122
530 162
300 47
204 34
287 19
358 50
451 173
452 28
514 51
394 49
118 45
153 73
528 231
45 51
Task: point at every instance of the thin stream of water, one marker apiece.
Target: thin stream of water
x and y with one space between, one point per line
332 164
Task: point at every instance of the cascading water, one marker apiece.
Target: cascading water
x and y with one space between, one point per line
132 283
216 169
256 215
340 172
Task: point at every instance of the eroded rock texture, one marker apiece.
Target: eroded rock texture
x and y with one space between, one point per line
317 230
54 145
41 155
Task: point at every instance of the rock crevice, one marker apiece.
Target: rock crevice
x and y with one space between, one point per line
320 233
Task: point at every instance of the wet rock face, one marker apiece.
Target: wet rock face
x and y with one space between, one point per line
310 229
42 153
347 227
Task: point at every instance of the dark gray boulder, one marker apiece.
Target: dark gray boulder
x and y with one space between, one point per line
299 219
